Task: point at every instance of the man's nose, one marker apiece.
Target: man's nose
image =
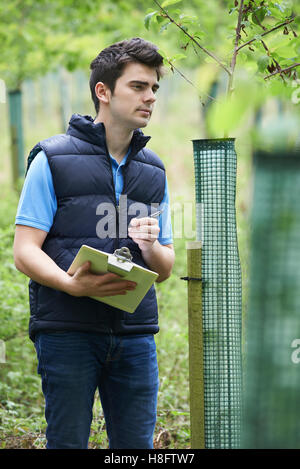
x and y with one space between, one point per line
150 96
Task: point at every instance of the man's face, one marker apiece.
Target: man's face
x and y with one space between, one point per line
132 102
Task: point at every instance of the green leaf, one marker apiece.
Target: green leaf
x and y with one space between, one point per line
168 3
199 35
232 10
276 13
263 62
160 19
285 7
163 54
278 40
179 412
227 115
177 57
164 26
286 52
279 7
188 18
258 15
148 19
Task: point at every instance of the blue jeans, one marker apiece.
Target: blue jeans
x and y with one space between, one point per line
73 365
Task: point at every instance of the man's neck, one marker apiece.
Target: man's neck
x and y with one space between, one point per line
117 138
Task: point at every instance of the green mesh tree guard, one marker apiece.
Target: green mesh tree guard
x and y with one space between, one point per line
215 181
272 367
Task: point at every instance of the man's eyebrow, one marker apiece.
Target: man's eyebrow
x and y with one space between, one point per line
156 85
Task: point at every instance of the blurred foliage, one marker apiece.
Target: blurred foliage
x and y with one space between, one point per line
38 36
213 25
240 47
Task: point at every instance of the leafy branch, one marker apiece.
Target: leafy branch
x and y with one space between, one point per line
260 26
235 51
192 38
172 66
282 70
288 21
244 9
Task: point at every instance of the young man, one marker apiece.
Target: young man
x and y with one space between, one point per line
83 344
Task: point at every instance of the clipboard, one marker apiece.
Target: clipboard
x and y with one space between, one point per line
120 262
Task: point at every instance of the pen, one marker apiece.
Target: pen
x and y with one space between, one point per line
153 215
156 214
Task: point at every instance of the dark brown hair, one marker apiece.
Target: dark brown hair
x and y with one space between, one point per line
109 64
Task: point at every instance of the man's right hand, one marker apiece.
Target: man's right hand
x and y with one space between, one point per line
37 265
85 283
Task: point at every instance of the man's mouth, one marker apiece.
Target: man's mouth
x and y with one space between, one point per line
147 112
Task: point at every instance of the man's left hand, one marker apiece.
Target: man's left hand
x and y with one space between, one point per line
144 232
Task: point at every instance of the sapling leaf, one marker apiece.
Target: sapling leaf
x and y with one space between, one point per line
168 3
148 18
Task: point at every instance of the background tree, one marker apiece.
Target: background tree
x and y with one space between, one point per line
39 36
251 43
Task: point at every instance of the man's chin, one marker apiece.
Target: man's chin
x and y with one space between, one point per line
138 123
143 122
143 125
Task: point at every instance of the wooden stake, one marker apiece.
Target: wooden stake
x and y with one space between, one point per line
196 368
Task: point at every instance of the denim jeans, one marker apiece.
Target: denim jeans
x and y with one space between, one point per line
73 365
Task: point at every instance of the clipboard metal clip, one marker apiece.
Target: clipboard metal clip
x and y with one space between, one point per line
123 255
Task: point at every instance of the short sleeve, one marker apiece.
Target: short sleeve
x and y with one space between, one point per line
37 205
165 224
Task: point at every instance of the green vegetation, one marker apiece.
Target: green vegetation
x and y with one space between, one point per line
180 117
253 45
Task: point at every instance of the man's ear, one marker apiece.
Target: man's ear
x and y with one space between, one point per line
102 92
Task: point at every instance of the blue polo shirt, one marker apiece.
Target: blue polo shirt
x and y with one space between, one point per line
37 205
